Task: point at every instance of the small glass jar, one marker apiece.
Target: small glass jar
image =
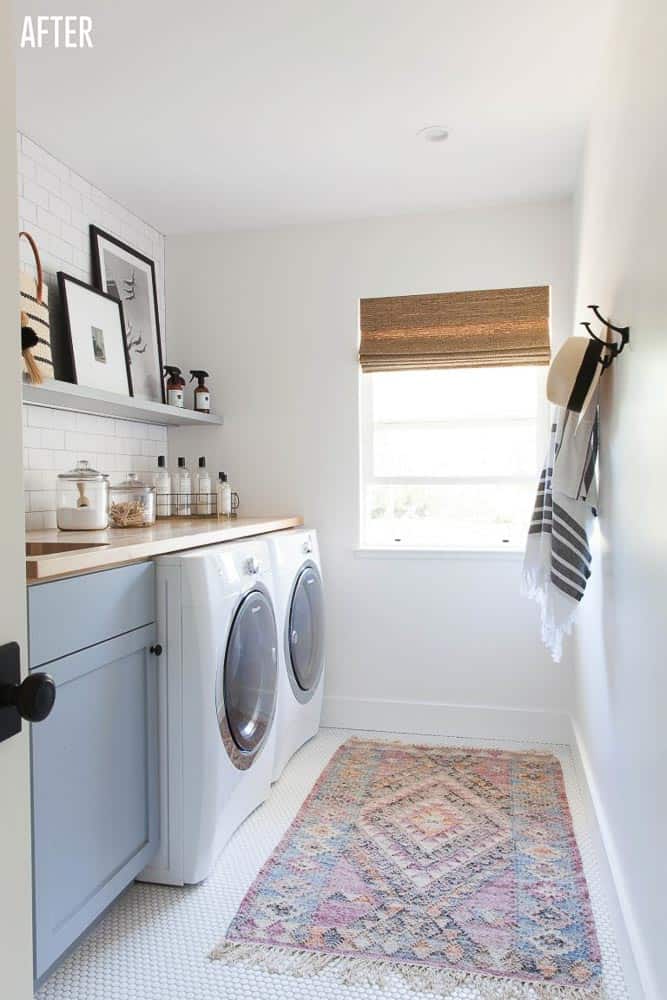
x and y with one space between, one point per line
132 503
82 499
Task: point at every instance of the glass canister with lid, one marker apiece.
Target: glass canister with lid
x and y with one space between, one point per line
132 503
82 499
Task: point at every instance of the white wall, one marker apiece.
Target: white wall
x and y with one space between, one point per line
274 317
56 205
621 676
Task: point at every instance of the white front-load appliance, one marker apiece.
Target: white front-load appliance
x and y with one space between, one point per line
297 576
218 694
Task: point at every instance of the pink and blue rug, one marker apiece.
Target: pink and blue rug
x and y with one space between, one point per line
441 866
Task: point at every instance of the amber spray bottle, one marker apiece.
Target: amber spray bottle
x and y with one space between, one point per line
202 395
175 385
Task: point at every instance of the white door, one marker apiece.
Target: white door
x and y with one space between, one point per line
15 888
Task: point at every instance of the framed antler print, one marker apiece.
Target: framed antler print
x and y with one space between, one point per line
129 276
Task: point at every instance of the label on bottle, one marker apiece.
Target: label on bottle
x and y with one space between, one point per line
175 397
203 401
163 496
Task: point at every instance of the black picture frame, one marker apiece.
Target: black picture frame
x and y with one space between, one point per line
97 237
63 280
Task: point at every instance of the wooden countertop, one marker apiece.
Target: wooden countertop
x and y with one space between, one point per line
92 550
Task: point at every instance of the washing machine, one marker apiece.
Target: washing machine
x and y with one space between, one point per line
297 577
218 687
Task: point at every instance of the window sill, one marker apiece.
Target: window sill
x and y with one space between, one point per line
392 552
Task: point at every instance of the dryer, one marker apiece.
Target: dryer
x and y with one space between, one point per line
297 576
218 693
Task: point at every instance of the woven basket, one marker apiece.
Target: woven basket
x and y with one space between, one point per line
34 311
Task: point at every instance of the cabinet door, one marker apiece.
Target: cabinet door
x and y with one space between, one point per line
95 787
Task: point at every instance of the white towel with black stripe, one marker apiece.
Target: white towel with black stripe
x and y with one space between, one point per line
557 563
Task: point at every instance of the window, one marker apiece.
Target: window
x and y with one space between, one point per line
450 456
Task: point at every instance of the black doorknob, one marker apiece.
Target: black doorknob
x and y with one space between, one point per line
33 699
157 649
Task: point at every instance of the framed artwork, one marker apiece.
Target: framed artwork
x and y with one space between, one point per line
129 276
96 334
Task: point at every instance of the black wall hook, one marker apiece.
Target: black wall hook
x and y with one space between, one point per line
613 348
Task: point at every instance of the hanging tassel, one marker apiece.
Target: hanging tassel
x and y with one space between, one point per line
29 339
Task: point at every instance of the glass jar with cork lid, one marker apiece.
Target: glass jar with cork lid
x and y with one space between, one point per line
132 503
82 499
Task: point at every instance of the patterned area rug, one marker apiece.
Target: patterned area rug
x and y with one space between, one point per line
437 865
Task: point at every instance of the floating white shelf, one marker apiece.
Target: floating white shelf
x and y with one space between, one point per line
80 399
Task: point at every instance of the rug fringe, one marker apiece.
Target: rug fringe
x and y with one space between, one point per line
357 971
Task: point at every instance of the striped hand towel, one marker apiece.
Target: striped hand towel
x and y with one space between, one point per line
557 564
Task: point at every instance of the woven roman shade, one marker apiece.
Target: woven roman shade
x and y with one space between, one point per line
499 326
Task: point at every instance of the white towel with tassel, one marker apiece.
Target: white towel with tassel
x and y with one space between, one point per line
557 563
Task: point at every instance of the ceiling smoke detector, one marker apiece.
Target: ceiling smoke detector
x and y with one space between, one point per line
433 133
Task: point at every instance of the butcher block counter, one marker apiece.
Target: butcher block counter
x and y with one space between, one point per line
53 553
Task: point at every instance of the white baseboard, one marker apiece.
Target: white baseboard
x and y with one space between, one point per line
641 981
480 722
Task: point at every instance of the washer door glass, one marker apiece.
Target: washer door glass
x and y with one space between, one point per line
250 673
306 629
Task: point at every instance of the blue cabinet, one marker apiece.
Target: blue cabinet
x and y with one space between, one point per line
94 760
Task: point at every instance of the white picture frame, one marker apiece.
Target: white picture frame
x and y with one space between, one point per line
96 334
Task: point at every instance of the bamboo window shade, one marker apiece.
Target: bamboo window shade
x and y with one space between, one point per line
499 326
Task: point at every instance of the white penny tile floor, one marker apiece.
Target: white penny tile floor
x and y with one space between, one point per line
153 944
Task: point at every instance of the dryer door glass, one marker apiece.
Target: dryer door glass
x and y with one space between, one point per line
250 673
306 629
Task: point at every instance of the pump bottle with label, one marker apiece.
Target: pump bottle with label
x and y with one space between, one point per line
202 395
223 496
183 489
162 488
203 504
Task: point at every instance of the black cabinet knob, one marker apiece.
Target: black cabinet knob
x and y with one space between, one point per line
157 649
33 698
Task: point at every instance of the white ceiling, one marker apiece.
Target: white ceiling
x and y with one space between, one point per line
217 114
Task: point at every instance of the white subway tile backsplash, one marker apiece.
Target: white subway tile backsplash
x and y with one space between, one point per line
156 433
92 424
32 437
49 222
41 500
35 480
48 179
57 207
50 450
34 193
60 208
80 260
39 458
43 416
27 168
27 211
79 220
60 249
54 440
76 239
